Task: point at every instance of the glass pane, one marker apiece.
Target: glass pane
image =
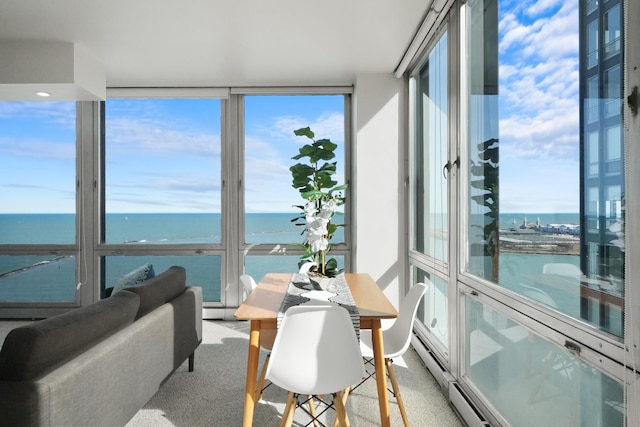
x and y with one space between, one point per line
37 172
431 154
432 311
270 143
36 278
529 228
531 381
162 171
612 91
592 43
202 271
612 29
257 266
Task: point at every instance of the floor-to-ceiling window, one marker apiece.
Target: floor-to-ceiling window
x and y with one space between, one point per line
162 189
102 194
539 264
38 209
271 240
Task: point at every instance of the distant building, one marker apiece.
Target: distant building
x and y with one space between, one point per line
601 137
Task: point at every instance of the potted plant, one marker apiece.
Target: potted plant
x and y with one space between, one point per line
313 177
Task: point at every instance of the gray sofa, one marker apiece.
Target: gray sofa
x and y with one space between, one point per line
99 365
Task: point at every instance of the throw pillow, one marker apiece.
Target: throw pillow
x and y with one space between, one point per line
134 277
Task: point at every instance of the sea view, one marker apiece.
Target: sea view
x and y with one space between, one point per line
52 277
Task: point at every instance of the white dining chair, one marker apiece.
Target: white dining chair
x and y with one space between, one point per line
315 353
396 340
267 337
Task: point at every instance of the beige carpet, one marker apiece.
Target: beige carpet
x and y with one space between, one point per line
213 395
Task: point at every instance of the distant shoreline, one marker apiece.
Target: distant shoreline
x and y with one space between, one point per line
532 242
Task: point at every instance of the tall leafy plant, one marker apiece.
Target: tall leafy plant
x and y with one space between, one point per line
313 176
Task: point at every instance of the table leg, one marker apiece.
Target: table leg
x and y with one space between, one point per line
252 373
381 374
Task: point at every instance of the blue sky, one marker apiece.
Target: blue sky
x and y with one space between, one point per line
165 156
539 106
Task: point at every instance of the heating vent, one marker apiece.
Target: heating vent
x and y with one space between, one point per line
439 372
465 407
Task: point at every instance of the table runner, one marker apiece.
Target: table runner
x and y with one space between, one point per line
301 284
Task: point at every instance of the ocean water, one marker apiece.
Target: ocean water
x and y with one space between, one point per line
52 277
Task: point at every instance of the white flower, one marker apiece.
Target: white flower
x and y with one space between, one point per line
318 244
316 232
327 210
309 212
317 224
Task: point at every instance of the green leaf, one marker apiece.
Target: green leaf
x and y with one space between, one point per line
327 144
304 132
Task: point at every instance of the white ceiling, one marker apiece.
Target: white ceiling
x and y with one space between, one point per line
199 43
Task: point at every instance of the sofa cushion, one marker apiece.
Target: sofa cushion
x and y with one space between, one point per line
134 277
160 289
35 349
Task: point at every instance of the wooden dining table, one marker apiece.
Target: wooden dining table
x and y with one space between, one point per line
261 309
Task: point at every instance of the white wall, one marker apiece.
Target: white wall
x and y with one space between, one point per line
378 187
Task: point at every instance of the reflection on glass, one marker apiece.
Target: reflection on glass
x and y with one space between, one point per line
531 381
543 129
202 271
612 31
36 278
432 311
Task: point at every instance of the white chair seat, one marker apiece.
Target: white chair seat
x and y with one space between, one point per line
316 352
396 339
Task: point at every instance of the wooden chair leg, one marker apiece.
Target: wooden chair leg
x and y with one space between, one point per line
341 416
345 395
290 407
396 391
312 410
261 380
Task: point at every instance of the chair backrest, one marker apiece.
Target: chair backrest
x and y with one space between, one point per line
537 295
316 351
562 269
248 283
398 337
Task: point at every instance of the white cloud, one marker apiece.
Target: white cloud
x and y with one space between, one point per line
539 82
156 136
38 149
539 106
60 113
326 126
540 6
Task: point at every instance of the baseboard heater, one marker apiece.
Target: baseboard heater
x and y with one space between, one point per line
439 372
458 398
465 407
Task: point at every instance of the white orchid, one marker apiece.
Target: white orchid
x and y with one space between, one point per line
316 233
309 211
328 209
